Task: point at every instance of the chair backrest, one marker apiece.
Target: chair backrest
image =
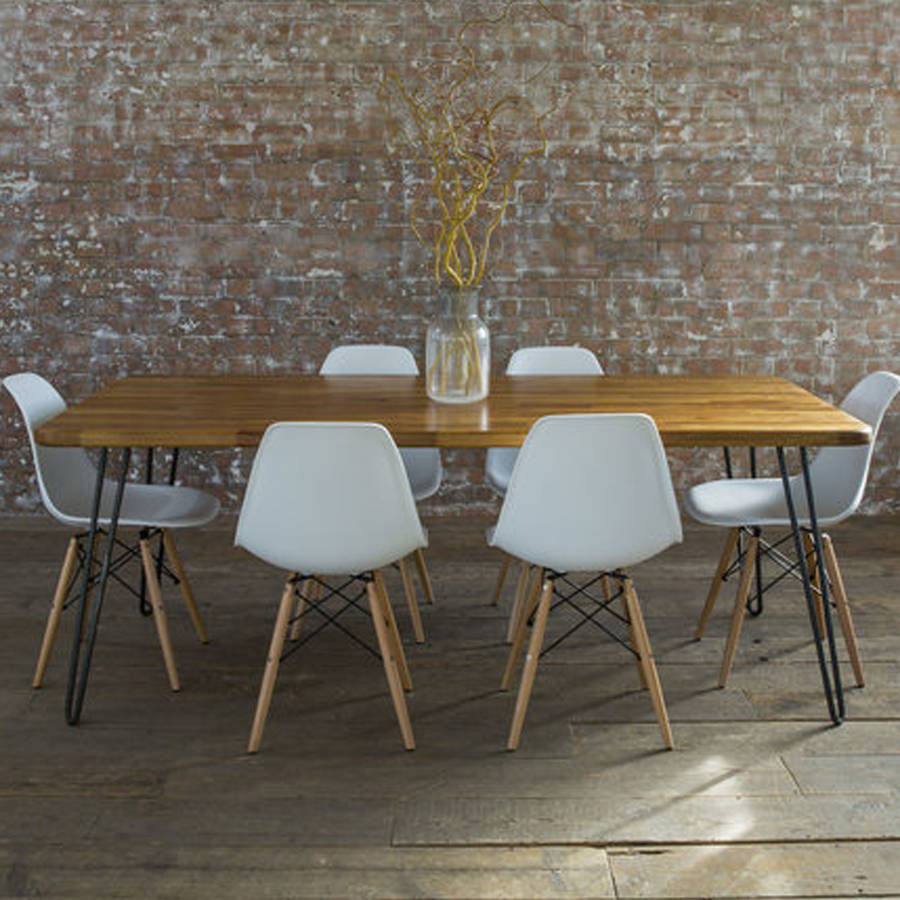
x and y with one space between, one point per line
369 359
554 361
564 360
65 475
589 493
839 474
423 464
328 498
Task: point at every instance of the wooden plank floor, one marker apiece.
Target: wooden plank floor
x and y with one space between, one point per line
154 796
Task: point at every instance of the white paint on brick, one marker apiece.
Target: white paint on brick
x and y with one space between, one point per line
827 340
20 187
877 241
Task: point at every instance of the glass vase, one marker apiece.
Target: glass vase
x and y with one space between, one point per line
457 349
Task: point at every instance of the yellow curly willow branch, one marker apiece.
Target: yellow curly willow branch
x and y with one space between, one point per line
462 171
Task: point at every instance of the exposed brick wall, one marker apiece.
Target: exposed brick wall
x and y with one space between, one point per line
204 187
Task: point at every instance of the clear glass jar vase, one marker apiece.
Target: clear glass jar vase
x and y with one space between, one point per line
457 349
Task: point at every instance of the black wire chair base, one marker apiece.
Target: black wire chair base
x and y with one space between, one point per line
754 600
124 554
588 606
789 566
320 605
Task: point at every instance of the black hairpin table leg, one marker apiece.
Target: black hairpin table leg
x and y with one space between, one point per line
755 602
160 553
143 603
83 639
834 695
823 583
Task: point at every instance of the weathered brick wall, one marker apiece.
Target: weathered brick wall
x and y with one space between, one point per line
204 187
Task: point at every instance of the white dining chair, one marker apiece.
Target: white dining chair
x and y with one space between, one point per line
66 479
422 464
499 461
746 505
588 493
329 499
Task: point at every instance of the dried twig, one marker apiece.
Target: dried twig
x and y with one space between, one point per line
474 141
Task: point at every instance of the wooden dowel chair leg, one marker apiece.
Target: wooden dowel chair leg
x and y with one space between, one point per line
424 578
521 628
651 675
740 610
390 666
604 585
843 609
724 562
411 601
185 585
642 676
519 601
267 687
812 567
159 613
501 578
309 585
529 670
393 631
56 608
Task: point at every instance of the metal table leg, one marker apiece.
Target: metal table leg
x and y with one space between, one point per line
834 695
173 469
755 603
80 662
143 603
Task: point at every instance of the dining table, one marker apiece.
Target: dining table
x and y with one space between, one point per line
184 412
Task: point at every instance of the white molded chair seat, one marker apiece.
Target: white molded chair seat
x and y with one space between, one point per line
838 476
422 464
331 498
735 502
589 493
67 478
143 506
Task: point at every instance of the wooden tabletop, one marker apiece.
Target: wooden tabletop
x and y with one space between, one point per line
234 410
